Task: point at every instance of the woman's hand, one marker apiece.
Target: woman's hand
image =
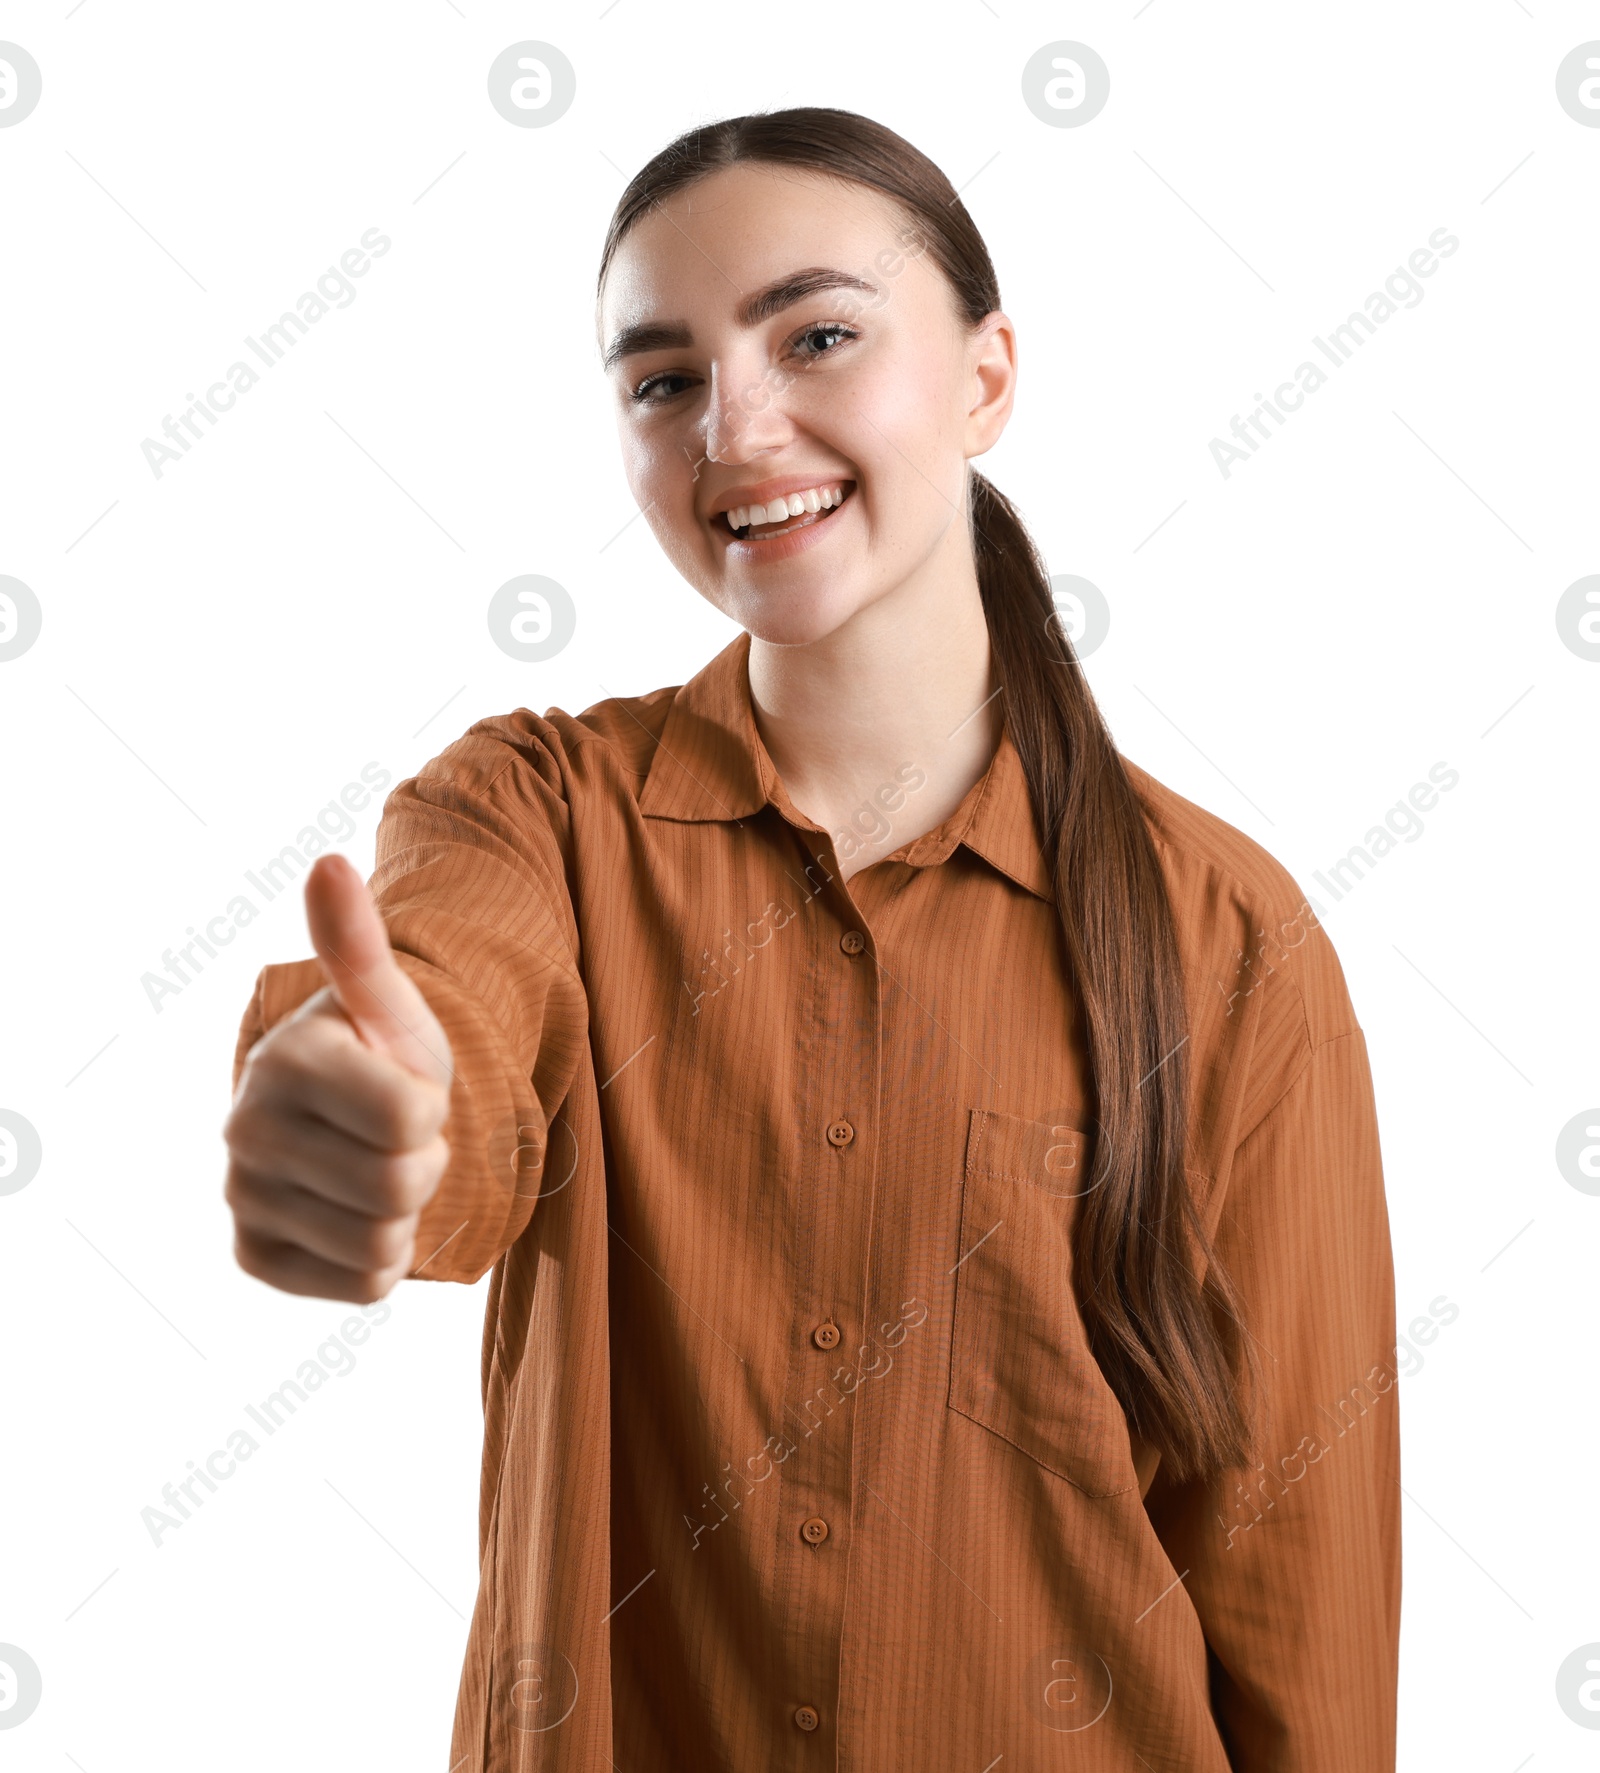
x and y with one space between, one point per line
334 1136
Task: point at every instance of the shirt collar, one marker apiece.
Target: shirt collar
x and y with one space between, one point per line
711 763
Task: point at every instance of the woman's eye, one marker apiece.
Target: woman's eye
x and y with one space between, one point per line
645 391
831 329
652 391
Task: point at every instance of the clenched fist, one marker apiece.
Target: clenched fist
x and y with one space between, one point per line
334 1136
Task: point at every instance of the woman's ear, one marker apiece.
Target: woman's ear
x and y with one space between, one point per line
992 365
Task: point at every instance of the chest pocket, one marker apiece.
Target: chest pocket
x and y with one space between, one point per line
1020 1362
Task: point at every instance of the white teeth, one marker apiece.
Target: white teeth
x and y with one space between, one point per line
816 498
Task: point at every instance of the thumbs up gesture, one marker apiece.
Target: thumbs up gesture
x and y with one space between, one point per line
334 1139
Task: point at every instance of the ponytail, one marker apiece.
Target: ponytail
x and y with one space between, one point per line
1166 1342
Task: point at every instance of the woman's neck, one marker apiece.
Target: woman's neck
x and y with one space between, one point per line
880 728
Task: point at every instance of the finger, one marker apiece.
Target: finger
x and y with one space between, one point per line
352 943
281 1212
294 1270
324 1161
315 1064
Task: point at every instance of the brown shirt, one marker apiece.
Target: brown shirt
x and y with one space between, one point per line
795 1455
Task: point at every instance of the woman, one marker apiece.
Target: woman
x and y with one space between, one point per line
928 1168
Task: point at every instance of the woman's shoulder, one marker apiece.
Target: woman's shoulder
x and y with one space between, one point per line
605 750
1203 846
603 759
1245 924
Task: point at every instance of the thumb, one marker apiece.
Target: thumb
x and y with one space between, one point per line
380 1000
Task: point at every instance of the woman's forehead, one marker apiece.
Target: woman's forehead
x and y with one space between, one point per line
710 244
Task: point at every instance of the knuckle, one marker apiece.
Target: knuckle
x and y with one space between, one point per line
251 1257
384 1242
396 1182
254 1201
308 1048
401 1243
372 1284
233 1188
293 1066
271 1075
241 1128
408 1114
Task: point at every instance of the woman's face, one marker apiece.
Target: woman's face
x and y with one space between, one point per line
774 332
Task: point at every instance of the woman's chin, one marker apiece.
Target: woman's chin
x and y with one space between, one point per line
780 618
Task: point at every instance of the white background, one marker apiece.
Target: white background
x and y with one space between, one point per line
226 646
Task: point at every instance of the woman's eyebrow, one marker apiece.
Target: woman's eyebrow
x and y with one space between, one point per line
795 286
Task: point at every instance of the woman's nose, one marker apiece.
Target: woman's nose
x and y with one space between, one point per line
744 414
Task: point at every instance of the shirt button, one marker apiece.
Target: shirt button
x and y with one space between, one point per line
826 1335
841 1133
852 941
815 1530
806 1717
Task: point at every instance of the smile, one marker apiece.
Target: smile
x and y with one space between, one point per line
755 525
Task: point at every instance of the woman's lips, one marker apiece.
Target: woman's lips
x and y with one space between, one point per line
766 531
763 538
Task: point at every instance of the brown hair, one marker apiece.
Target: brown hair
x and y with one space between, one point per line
1168 1344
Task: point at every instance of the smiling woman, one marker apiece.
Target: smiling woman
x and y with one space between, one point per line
1003 1075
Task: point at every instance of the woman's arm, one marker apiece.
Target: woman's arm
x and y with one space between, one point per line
1294 1567
471 883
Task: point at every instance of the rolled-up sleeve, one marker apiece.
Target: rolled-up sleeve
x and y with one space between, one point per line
1293 1566
472 885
